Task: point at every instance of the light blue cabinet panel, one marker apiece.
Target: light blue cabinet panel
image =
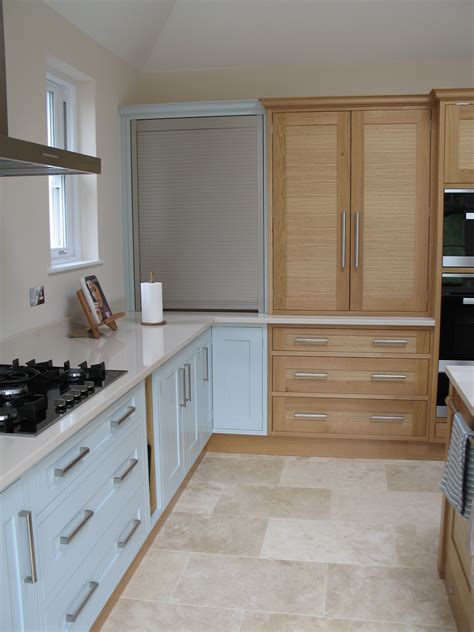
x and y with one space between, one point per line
18 587
192 436
204 387
239 370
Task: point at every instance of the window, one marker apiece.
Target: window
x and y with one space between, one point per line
63 220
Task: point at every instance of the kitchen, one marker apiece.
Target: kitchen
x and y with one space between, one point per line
272 457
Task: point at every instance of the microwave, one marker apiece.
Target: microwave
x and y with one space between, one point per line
458 228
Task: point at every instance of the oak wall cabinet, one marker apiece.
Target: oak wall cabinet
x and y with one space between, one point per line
459 143
350 210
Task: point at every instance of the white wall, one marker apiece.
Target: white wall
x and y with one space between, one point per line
34 33
412 76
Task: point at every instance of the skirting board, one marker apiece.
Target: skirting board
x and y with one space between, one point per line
337 447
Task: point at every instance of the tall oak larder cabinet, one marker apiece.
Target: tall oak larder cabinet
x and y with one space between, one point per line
351 210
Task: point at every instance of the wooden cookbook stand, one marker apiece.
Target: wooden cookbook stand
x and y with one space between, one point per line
93 329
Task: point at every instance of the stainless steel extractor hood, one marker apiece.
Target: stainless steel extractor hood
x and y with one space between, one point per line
22 158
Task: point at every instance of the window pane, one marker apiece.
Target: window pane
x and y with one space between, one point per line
50 116
57 213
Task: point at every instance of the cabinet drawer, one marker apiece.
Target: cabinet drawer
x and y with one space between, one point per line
87 591
77 524
71 462
371 376
349 341
378 418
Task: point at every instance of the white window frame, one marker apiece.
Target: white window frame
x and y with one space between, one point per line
63 136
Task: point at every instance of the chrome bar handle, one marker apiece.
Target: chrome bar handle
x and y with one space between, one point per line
120 479
388 418
181 396
62 471
70 618
387 342
67 539
187 382
118 422
33 578
123 543
205 356
310 415
310 375
311 341
343 240
356 240
388 376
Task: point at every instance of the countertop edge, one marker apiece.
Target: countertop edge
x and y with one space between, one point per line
467 397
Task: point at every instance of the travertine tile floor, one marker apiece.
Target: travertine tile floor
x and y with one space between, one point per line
262 543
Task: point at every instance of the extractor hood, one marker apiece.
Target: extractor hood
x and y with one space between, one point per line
22 158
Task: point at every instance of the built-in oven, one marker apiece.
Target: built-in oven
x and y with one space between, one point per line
457 329
458 228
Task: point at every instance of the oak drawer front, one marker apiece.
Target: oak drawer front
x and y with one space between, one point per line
73 529
71 462
86 592
371 376
350 340
378 418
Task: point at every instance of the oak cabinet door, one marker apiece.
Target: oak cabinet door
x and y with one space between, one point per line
311 198
390 210
459 144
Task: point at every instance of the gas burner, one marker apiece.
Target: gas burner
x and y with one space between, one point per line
9 392
8 419
15 374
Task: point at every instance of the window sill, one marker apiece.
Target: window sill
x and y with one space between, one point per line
74 265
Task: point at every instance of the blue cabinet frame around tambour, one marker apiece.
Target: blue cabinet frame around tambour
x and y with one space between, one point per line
239 380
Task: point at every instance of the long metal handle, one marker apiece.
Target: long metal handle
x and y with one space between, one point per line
343 239
181 396
70 618
118 422
62 471
67 539
388 376
205 355
187 382
310 415
356 240
123 543
120 479
389 342
388 418
33 578
310 375
311 341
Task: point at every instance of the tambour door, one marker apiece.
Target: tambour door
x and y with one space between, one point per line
390 197
311 206
459 147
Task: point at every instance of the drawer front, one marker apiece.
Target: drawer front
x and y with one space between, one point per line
371 376
70 532
70 463
377 418
86 593
351 340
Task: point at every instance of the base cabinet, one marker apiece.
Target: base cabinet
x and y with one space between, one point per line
239 361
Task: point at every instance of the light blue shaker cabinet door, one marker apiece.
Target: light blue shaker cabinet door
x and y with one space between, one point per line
204 387
239 369
191 427
18 587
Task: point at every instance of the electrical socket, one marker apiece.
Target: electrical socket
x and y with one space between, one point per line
36 295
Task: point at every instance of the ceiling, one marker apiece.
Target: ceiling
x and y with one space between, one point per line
174 35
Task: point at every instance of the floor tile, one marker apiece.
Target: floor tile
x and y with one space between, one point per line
413 508
271 622
130 615
330 541
157 576
402 627
212 533
417 546
199 497
253 584
334 474
239 470
407 595
266 500
414 476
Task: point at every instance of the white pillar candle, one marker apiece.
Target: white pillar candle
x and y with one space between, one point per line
152 303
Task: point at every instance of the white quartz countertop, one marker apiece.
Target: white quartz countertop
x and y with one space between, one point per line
463 379
137 349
